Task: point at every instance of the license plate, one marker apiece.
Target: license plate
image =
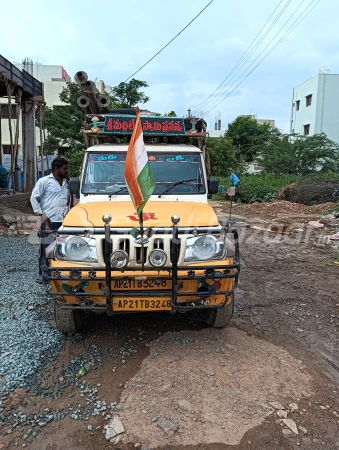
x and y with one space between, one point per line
129 304
133 284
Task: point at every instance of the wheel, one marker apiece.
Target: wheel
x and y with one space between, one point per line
219 317
67 320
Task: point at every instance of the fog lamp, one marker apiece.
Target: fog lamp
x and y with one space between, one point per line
157 258
119 259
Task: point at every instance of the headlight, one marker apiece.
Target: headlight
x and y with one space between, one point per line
157 258
119 259
203 248
76 248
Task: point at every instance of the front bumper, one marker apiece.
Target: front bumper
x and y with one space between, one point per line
183 288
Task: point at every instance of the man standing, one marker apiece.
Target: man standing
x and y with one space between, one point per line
49 200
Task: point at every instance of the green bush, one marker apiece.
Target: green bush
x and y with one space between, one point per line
255 188
319 177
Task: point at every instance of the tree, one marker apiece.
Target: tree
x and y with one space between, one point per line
64 123
171 114
301 156
248 137
127 95
223 157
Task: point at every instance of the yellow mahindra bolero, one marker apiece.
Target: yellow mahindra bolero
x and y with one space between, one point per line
183 260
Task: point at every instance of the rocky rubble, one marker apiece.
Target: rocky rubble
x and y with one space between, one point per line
19 224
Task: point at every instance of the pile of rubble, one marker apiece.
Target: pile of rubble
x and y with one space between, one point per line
19 224
285 208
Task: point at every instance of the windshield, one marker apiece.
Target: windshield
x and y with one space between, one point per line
104 173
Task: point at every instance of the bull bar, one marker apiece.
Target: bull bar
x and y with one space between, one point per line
75 274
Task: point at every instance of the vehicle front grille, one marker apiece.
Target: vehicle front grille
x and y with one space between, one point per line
158 243
124 244
134 250
138 255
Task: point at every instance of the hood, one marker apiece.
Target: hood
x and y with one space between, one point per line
156 214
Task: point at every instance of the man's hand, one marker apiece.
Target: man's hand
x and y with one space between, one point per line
46 221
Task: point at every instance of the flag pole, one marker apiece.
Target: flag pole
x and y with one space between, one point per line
141 224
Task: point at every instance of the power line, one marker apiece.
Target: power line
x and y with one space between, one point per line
213 104
289 31
199 105
163 48
212 101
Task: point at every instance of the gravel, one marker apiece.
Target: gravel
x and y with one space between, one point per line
30 347
26 341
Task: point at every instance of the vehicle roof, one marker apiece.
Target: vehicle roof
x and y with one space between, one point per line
152 147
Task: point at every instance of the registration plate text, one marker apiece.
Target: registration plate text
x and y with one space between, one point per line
155 304
140 284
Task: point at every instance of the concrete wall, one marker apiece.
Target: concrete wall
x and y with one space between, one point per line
5 130
306 114
217 133
327 119
323 113
43 72
269 122
52 90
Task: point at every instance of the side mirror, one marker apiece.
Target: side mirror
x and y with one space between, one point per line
213 186
74 186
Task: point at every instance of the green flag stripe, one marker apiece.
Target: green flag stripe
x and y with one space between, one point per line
146 183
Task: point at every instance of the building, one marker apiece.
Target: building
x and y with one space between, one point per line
269 122
54 79
219 131
315 106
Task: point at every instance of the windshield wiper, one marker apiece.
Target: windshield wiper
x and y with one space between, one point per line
112 191
171 186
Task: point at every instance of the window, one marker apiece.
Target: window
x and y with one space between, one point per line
180 174
6 149
309 100
5 112
297 105
307 129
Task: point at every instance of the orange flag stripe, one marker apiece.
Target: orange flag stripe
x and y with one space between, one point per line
130 169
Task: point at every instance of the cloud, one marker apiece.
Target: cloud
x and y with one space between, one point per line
113 40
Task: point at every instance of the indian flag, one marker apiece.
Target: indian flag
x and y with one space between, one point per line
138 172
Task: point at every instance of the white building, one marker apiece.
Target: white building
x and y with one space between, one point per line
54 79
267 121
315 106
219 131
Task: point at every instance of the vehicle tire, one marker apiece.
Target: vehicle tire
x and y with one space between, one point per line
219 317
67 320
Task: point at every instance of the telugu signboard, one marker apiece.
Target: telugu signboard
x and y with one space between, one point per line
155 125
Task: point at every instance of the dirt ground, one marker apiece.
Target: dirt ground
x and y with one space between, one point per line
191 387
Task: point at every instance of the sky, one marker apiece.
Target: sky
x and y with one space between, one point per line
110 40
